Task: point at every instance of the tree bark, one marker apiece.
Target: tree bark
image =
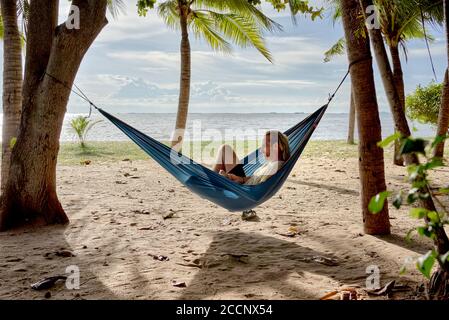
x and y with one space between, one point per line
30 193
371 157
398 77
12 83
184 92
443 116
351 127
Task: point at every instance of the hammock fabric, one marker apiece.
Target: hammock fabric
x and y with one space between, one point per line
214 187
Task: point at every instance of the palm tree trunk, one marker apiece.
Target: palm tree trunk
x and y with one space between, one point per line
351 127
398 76
12 83
30 195
371 157
443 116
390 85
184 92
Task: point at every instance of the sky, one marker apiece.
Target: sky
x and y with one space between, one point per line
133 66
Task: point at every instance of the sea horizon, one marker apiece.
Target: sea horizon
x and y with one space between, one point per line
226 126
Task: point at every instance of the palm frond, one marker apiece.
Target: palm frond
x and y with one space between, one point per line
242 7
169 12
203 26
240 30
337 49
116 7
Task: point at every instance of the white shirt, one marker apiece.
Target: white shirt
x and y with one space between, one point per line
262 174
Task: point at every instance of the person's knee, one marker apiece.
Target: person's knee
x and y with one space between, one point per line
226 148
228 154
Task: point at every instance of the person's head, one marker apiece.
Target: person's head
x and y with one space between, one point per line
275 146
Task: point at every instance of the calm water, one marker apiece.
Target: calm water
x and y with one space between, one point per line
242 126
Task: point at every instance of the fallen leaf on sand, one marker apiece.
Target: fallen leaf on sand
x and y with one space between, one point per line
178 284
168 215
329 295
249 215
326 261
61 253
141 211
146 228
341 294
159 257
47 283
388 288
292 232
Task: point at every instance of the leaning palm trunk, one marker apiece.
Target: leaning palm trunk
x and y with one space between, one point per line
399 81
184 93
12 83
443 116
371 163
351 126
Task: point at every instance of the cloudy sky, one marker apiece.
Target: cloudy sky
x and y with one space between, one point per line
134 67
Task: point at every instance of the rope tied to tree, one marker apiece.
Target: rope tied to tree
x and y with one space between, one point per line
78 93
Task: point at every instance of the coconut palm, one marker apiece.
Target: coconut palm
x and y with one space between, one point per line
371 163
400 21
443 116
219 23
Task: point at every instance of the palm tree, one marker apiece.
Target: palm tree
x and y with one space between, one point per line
351 122
12 81
371 163
401 21
219 23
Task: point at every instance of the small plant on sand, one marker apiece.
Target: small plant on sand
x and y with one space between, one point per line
81 126
433 220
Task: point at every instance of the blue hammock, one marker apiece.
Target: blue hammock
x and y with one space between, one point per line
214 187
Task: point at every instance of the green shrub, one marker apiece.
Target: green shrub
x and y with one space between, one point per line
424 104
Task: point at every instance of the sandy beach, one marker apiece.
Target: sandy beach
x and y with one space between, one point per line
307 241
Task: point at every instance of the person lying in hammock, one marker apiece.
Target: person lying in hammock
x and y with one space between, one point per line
276 150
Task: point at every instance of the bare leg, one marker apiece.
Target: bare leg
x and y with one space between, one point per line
226 159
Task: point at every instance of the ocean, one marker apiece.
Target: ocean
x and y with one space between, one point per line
229 126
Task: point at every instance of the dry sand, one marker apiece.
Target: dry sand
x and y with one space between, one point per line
117 225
